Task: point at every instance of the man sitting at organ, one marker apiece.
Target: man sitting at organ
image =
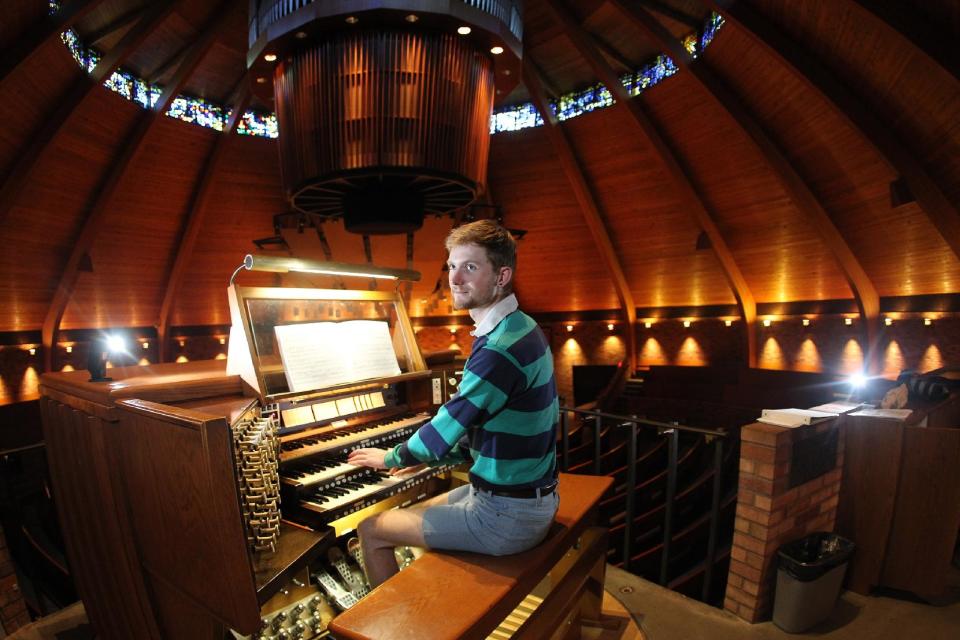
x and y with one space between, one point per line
506 412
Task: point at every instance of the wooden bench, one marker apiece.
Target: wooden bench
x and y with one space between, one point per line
452 595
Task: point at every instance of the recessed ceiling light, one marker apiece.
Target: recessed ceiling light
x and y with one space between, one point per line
506 72
270 57
300 35
496 50
352 19
261 80
464 30
411 18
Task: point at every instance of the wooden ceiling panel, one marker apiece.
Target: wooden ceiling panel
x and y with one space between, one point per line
917 98
841 167
41 227
220 70
244 197
141 229
30 94
176 32
559 268
944 14
562 67
759 222
648 224
18 17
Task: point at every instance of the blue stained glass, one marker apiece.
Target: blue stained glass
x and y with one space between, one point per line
521 116
714 22
511 118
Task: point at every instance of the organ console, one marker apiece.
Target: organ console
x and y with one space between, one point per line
199 498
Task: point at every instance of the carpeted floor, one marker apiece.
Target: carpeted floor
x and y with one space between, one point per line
665 615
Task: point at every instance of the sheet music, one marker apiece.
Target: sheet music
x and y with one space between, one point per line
322 354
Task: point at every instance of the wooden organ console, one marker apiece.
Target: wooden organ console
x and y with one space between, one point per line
168 478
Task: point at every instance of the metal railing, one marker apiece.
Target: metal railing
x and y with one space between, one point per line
672 431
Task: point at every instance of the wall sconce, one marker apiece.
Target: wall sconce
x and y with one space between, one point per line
223 340
927 322
183 343
33 351
453 330
806 322
686 324
848 321
728 323
609 326
647 324
569 328
888 321
767 322
146 345
69 348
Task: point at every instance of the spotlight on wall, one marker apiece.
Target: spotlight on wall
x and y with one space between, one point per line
767 322
609 326
806 322
848 321
728 323
453 330
146 345
647 324
686 324
569 328
888 321
69 348
927 322
33 351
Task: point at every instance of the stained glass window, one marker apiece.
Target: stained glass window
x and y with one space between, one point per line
510 118
522 116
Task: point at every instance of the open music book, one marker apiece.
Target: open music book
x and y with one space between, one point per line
323 354
794 417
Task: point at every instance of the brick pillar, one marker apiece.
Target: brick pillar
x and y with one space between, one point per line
770 513
13 610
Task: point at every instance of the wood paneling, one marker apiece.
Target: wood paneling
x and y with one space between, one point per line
244 197
141 228
844 170
559 268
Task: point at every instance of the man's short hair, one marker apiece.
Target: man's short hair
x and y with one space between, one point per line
500 244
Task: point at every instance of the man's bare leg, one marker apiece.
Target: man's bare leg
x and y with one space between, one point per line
380 533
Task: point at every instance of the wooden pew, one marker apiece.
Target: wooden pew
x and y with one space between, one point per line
453 595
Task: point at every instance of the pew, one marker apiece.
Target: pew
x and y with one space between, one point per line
453 595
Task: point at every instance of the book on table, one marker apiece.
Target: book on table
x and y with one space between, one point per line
794 417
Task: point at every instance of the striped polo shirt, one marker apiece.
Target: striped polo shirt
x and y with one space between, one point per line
505 411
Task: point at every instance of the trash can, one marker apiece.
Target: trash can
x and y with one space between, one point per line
808 580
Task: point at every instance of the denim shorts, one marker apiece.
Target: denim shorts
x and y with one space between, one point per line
476 520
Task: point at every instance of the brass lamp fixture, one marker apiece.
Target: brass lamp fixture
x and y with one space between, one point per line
384 112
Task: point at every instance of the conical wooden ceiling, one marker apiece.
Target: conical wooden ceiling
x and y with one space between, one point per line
761 172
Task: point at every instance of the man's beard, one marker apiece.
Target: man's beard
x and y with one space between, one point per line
472 301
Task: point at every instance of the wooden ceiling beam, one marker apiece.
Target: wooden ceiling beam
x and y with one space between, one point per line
588 205
613 55
93 37
18 176
196 214
95 216
864 292
675 172
924 36
38 34
943 214
669 12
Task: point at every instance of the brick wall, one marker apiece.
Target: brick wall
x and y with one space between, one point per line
770 515
13 610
